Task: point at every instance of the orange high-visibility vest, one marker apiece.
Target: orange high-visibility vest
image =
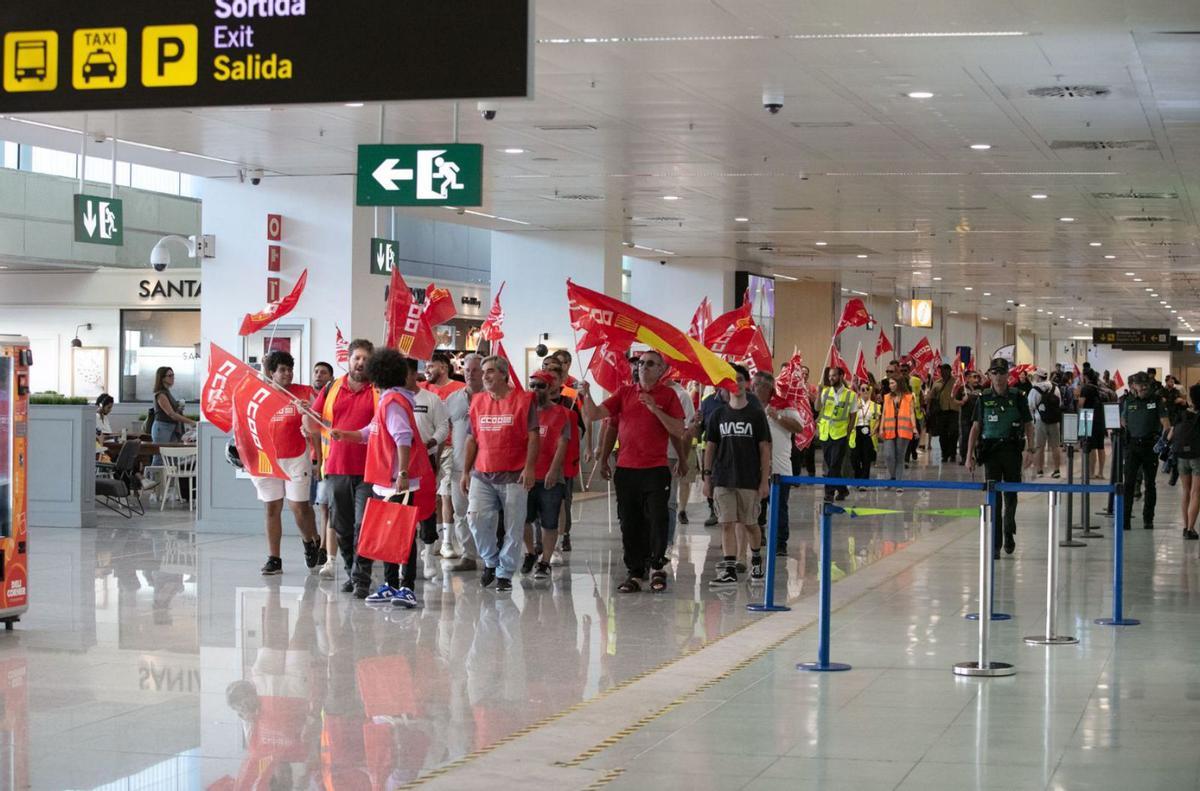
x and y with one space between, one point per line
898 419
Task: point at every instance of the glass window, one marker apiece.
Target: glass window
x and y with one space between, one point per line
154 338
54 163
144 177
99 170
10 155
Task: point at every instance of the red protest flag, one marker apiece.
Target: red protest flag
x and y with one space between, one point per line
861 375
855 314
513 379
604 318
791 391
1078 373
1118 381
958 370
732 333
836 361
758 354
341 348
610 368
439 305
921 354
255 405
253 322
405 329
883 345
492 328
225 372
701 320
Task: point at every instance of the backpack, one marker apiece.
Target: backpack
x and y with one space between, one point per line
1050 407
1185 439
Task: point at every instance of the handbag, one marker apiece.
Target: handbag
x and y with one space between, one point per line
387 531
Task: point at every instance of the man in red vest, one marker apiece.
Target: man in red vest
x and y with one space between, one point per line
649 416
502 451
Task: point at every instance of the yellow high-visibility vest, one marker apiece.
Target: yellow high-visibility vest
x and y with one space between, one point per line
835 417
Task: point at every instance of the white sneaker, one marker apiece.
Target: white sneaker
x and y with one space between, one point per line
449 552
432 567
556 559
329 570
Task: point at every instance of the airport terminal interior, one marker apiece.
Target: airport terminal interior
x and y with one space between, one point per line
644 271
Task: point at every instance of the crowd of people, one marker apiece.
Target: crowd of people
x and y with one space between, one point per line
496 465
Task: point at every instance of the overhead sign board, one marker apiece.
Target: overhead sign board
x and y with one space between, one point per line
99 220
384 253
1132 336
922 313
435 174
66 55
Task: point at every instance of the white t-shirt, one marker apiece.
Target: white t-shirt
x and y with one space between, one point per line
781 442
689 409
430 412
458 407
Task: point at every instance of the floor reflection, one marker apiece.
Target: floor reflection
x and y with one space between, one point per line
163 654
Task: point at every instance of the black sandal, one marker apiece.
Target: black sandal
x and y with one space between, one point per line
630 585
658 581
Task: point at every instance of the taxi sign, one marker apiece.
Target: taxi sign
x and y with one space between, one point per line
184 53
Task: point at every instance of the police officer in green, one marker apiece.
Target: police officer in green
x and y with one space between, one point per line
1144 417
1001 429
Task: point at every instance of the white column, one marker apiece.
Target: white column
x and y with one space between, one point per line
535 267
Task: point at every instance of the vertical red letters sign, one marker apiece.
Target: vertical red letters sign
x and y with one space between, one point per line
274 227
273 257
272 289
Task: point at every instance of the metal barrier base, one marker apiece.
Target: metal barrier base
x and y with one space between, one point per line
1070 542
996 616
1061 639
817 667
993 669
767 608
1089 533
1117 621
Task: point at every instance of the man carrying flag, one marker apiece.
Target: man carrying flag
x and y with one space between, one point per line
292 449
649 416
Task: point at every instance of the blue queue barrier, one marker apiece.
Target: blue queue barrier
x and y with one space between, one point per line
769 604
1118 617
828 509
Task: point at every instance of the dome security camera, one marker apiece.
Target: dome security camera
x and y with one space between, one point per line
488 110
772 101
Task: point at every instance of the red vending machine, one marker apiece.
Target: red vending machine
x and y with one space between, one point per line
15 359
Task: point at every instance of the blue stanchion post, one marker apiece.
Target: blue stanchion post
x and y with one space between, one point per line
1118 617
992 501
826 594
769 604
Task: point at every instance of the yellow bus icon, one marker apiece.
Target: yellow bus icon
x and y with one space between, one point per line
30 61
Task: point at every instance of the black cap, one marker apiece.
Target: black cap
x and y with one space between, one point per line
999 366
1139 378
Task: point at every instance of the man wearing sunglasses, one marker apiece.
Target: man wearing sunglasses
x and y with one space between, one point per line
649 416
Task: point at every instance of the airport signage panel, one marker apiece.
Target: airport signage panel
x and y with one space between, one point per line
1132 336
64 55
99 220
434 174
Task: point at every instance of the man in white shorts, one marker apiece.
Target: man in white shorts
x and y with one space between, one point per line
295 460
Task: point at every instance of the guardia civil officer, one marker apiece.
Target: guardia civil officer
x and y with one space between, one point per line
1144 417
1001 429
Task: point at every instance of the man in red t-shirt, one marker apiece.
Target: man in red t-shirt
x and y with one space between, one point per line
649 416
546 497
290 440
349 404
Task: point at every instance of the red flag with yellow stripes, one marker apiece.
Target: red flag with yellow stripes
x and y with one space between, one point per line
603 318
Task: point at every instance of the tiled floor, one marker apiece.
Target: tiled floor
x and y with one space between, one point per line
144 636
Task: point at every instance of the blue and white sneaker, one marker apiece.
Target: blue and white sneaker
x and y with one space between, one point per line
383 594
404 597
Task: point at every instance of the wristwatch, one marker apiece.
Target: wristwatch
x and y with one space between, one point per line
706 473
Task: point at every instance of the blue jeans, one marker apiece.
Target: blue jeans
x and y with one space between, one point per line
544 503
485 500
163 432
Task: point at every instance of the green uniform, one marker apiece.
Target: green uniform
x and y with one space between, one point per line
1143 426
1002 420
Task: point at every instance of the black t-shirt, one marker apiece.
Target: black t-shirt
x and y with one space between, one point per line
736 433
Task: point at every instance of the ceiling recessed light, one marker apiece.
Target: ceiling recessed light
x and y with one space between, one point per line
954 312
1039 196
987 293
741 219
1174 311
820 244
1129 274
861 255
981 146
514 151
1153 295
937 278
1009 301
1137 280
354 104
1109 257
1095 244
920 95
968 288
1066 219
1148 288
670 197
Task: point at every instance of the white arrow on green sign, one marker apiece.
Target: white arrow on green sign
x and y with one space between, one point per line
436 174
99 220
384 253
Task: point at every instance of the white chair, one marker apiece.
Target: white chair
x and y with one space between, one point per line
179 464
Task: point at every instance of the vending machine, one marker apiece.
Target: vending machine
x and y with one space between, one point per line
15 359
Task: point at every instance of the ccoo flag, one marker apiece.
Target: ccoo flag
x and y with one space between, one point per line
406 329
603 318
225 372
855 314
493 326
255 405
253 322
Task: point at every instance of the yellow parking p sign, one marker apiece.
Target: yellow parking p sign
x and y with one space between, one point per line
30 61
170 55
99 58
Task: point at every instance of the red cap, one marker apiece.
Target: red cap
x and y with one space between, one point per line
544 376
